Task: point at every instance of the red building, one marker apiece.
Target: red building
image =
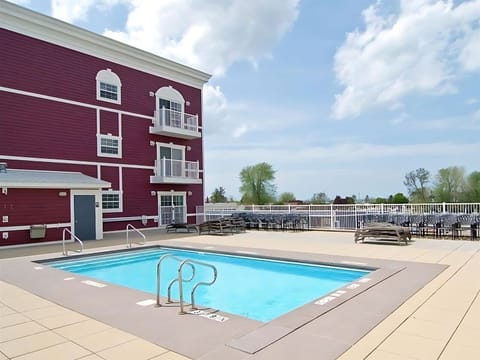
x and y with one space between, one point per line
94 134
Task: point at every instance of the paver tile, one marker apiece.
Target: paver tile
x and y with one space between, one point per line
81 329
460 352
104 339
412 346
45 312
65 351
20 330
137 349
25 302
13 319
384 355
67 318
30 343
428 329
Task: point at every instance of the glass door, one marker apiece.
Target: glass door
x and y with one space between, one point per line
172 208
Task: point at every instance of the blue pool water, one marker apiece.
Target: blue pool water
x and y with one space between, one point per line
260 289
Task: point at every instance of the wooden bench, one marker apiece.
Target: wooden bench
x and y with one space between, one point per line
383 232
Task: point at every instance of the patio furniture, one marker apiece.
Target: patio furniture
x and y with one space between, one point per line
383 232
182 226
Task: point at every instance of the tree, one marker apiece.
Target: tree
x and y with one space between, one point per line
399 198
285 198
320 198
416 184
347 200
257 184
450 184
472 193
218 195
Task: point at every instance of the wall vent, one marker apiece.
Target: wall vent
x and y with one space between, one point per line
3 167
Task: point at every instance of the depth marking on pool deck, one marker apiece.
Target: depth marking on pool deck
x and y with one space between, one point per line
93 283
330 297
147 302
208 315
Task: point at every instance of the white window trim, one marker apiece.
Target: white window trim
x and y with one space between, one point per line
109 136
172 193
170 94
120 201
109 77
172 146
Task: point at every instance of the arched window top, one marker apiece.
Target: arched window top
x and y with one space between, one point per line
109 77
170 94
109 86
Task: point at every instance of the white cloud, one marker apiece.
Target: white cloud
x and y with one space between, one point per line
420 50
78 10
211 36
472 101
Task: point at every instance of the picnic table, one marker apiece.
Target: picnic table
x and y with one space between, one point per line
383 232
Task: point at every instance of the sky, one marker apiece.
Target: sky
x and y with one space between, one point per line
343 97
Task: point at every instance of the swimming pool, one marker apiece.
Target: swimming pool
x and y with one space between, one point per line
256 288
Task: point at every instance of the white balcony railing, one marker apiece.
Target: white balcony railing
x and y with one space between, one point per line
176 171
175 123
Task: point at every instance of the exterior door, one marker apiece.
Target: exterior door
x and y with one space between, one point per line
84 215
172 208
172 112
171 161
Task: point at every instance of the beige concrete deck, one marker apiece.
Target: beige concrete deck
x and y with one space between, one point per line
441 321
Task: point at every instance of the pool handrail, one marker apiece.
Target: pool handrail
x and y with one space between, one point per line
131 227
72 236
169 297
192 294
180 279
159 263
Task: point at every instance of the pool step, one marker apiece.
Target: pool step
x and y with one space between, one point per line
98 262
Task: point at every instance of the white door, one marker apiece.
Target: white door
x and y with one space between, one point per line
172 208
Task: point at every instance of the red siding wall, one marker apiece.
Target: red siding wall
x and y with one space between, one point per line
41 129
109 122
110 174
37 66
31 207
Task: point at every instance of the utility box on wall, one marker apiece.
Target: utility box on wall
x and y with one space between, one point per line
37 231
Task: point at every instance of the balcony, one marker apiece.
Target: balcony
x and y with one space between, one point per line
175 124
168 171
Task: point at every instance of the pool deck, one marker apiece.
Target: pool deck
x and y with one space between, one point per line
426 306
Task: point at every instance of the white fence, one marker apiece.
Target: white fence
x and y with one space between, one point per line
349 217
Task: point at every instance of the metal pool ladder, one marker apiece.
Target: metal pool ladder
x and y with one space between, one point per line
181 280
72 236
131 227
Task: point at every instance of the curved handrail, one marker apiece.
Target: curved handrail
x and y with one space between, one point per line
72 236
169 298
131 227
163 257
180 281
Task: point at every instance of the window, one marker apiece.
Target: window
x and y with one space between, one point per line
111 201
109 146
109 86
108 91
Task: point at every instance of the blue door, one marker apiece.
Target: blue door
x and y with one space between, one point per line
84 215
